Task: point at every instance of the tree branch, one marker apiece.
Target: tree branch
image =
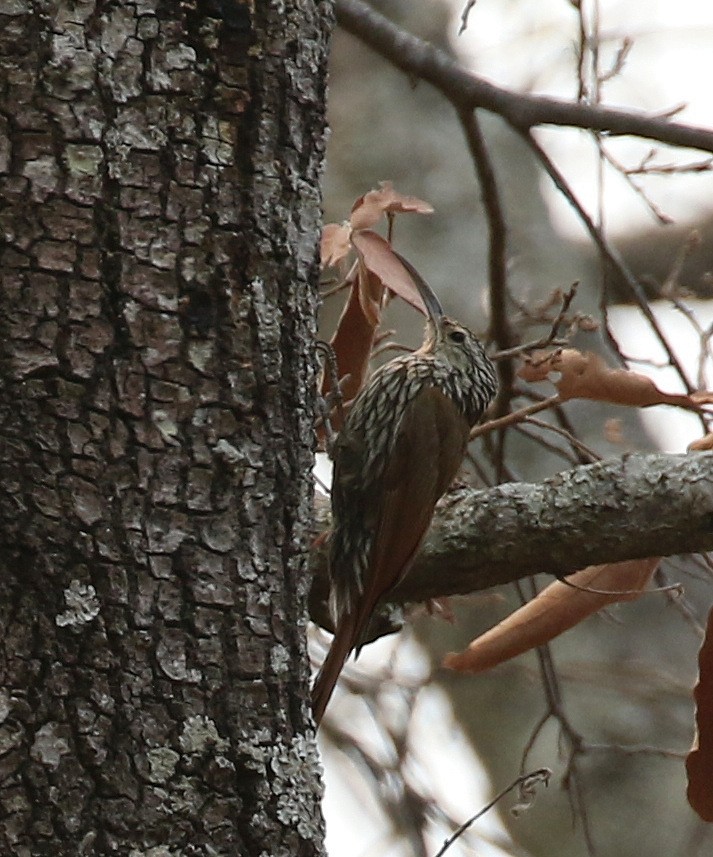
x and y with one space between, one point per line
637 506
611 255
523 112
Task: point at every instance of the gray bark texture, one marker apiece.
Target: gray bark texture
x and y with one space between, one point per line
628 508
159 190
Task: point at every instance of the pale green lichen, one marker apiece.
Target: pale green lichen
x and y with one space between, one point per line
296 782
279 659
166 426
83 160
172 658
252 750
4 704
199 735
162 763
200 353
82 605
49 746
228 452
156 851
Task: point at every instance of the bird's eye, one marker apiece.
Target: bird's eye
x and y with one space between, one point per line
456 336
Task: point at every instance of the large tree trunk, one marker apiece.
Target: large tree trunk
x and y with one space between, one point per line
159 183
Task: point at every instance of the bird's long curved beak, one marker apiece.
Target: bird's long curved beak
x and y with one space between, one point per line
428 296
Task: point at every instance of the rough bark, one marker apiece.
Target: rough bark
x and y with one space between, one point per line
637 506
159 175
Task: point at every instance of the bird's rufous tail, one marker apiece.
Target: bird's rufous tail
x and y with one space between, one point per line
345 638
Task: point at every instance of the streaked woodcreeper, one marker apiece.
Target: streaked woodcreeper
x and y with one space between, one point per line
400 448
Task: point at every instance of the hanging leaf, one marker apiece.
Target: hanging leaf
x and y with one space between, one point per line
377 256
352 343
699 763
370 208
702 444
556 609
580 375
335 244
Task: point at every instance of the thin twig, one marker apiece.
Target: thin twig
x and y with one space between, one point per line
646 168
611 255
675 589
551 338
464 16
524 781
334 290
514 417
528 346
501 331
555 449
575 443
571 779
663 218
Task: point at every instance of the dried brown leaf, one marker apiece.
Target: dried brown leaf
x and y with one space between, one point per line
703 443
368 209
335 244
580 375
376 255
352 343
613 431
699 763
702 397
371 293
556 609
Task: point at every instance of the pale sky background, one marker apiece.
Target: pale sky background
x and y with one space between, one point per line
530 46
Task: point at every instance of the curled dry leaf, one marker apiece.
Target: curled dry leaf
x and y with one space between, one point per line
335 243
556 609
613 431
371 293
699 763
352 343
376 255
368 209
586 376
703 443
378 268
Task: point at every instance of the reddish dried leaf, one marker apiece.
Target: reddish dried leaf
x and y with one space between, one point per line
377 256
335 243
369 209
699 763
702 397
371 293
613 431
352 343
556 609
587 376
705 442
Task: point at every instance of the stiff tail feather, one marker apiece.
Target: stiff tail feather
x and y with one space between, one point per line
345 638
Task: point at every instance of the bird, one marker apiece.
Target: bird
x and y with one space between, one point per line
398 451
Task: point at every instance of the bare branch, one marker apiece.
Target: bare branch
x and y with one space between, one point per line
610 254
523 112
501 331
528 781
604 512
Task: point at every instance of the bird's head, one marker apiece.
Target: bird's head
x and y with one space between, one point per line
452 341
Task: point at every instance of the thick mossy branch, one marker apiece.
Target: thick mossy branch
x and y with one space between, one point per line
637 506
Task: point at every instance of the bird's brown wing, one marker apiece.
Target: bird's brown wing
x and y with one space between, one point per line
427 453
